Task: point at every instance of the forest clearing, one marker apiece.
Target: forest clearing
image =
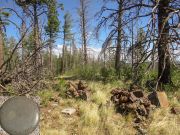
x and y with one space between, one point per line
97 67
98 117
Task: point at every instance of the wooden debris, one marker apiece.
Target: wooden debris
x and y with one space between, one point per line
2 87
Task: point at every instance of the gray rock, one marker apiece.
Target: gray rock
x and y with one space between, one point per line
2 100
69 111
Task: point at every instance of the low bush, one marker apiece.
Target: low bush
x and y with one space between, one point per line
45 96
86 72
60 86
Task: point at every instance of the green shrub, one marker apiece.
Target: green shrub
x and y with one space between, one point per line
60 87
126 71
108 74
45 96
86 72
139 74
176 76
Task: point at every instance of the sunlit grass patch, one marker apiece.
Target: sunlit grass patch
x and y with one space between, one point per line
98 117
53 132
115 124
86 130
99 97
105 111
89 115
45 96
174 102
165 123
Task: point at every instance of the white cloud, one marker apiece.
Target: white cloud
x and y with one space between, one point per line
177 52
92 51
57 50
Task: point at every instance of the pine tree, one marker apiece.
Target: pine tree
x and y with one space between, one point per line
67 36
33 6
52 27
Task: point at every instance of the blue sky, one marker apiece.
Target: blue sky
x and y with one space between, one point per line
71 7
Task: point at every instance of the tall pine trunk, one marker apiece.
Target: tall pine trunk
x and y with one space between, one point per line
63 61
1 47
84 36
36 38
164 73
118 49
50 54
23 30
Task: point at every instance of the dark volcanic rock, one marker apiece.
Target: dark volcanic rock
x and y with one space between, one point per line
131 101
78 89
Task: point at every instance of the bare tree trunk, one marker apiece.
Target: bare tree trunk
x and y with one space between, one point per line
63 54
132 47
73 52
85 44
118 49
164 73
1 47
50 55
84 32
36 37
62 60
66 58
153 56
23 29
154 45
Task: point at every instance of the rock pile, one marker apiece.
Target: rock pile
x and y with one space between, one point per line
78 89
136 102
131 101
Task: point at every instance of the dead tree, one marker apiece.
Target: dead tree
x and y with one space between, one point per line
162 29
1 45
83 13
114 19
21 77
67 37
35 9
3 20
164 66
165 15
119 36
23 29
36 35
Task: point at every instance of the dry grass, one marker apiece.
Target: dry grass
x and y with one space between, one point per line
164 123
96 117
89 114
99 97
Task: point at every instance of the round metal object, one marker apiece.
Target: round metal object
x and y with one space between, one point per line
19 116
